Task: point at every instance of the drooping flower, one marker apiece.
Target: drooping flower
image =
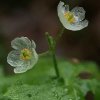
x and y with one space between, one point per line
73 20
24 56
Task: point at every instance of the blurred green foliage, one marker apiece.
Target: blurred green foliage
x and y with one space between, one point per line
40 82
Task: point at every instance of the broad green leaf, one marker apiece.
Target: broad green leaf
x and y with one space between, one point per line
41 80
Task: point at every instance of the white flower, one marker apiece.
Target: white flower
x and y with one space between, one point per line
24 56
73 20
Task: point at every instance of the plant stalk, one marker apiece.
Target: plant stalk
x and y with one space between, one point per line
52 48
55 65
51 43
59 34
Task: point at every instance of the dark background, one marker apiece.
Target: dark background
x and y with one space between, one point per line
32 18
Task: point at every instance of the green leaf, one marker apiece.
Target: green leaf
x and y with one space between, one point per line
41 80
52 90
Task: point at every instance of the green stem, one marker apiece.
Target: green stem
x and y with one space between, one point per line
59 34
52 47
44 53
51 44
55 65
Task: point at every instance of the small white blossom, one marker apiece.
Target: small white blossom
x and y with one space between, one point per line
73 20
24 56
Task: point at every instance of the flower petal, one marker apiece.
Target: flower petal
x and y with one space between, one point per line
79 25
27 64
61 11
20 43
20 69
33 44
79 12
61 7
34 59
66 8
13 58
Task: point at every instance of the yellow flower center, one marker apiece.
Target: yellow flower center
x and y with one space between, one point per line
25 54
70 17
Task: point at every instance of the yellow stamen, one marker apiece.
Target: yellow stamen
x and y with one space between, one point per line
70 17
25 54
